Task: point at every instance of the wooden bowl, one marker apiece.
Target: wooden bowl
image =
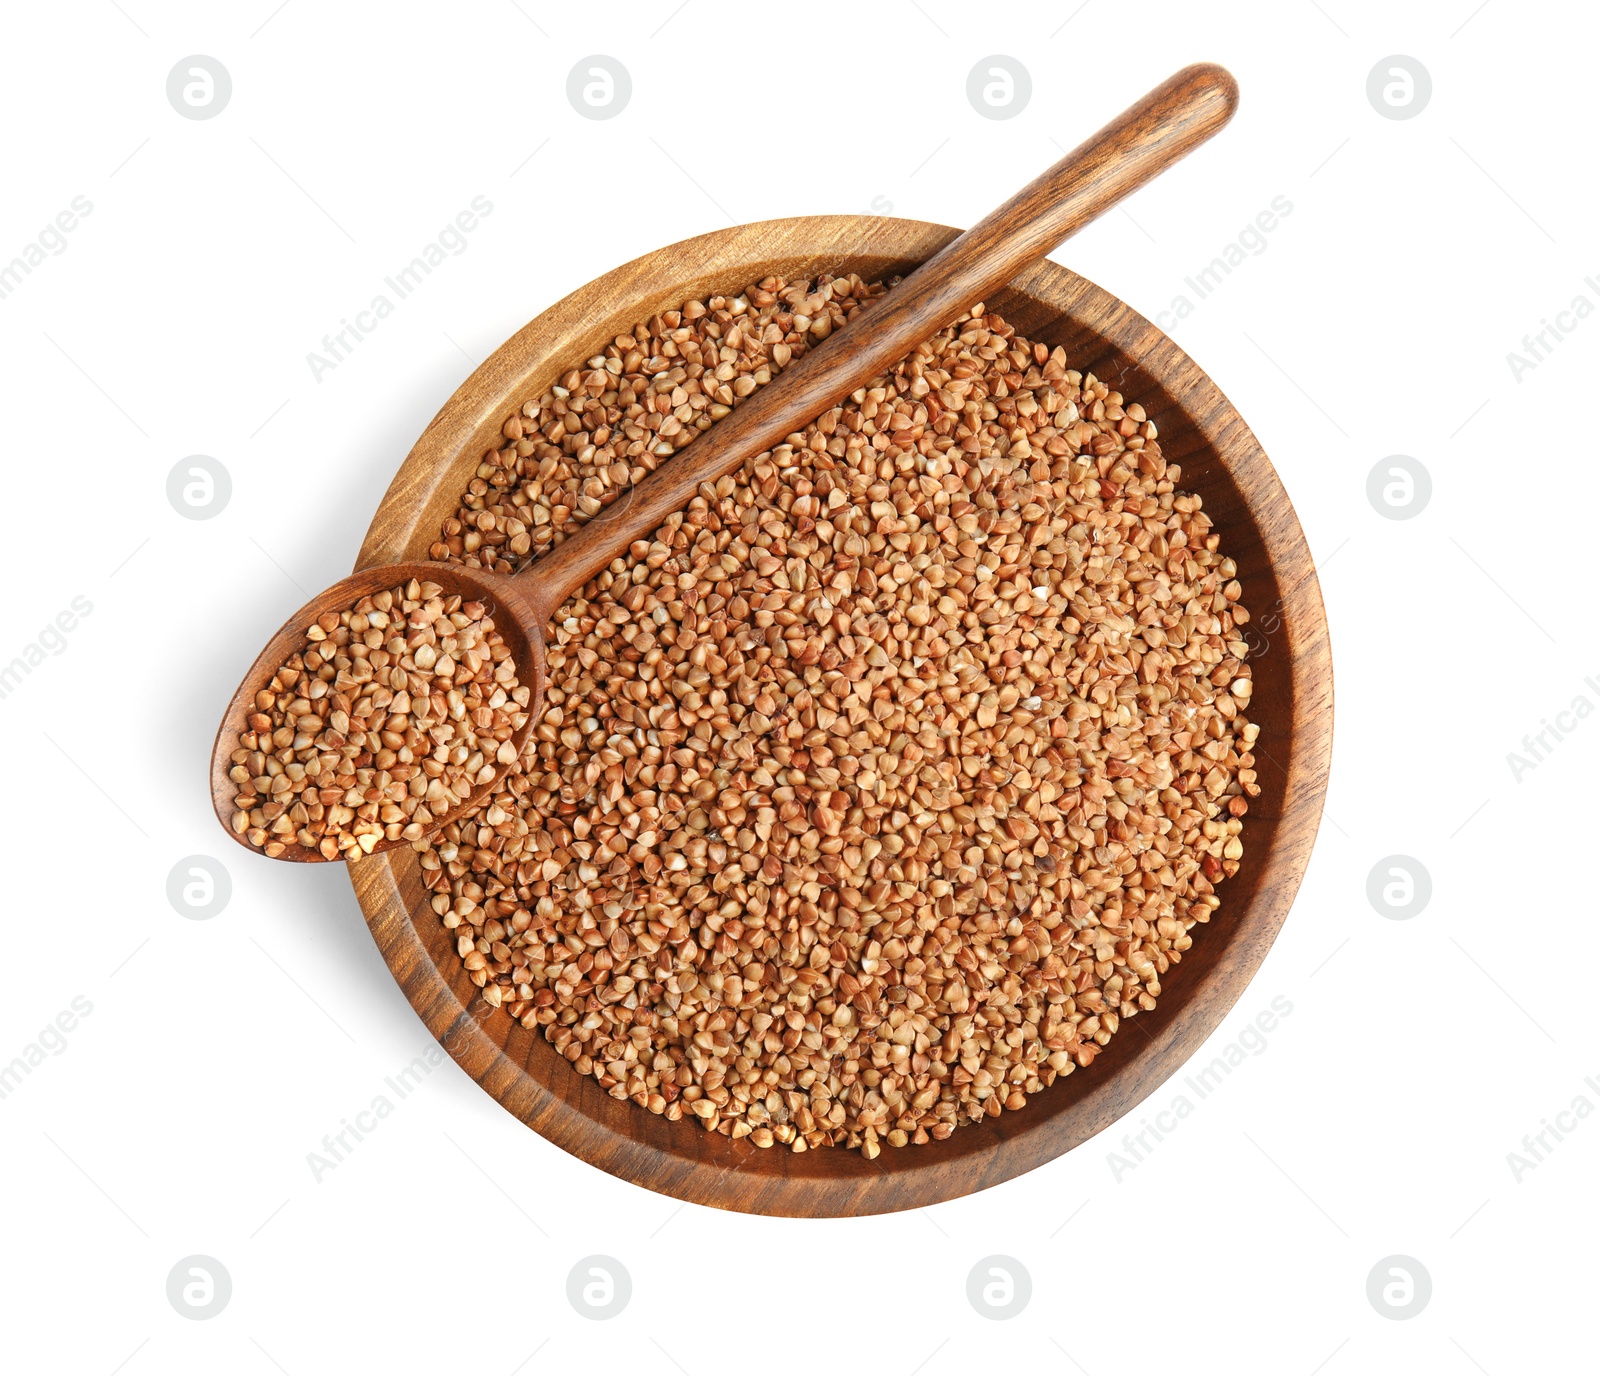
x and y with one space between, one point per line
1293 702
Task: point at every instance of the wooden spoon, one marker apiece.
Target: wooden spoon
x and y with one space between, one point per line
1181 113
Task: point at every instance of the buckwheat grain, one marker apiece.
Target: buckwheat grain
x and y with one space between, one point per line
389 715
878 788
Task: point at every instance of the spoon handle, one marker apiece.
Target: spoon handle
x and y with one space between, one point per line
1143 141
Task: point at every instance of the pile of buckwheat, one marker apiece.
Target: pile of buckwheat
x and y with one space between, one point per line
388 716
879 787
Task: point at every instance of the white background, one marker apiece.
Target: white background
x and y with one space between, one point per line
1377 1121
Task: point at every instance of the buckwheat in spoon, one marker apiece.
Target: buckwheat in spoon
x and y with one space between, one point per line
393 702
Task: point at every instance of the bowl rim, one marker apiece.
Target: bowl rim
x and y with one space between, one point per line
701 1167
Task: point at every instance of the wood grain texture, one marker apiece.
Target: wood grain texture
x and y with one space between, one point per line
1293 702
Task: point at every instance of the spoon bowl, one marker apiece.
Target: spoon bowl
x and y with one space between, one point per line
518 617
